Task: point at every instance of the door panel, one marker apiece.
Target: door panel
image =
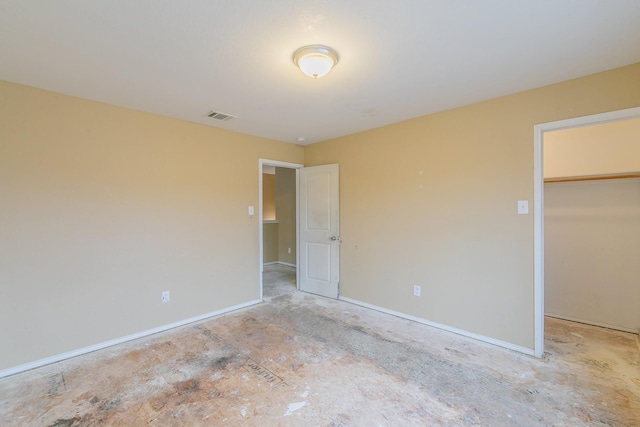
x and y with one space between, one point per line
318 258
319 205
319 230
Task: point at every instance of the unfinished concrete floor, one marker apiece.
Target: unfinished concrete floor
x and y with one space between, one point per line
300 360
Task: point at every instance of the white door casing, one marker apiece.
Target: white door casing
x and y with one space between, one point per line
319 230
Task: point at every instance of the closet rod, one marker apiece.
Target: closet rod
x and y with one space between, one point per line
593 177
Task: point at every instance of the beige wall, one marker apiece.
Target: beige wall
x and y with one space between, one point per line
593 150
270 242
103 208
286 213
269 230
432 202
592 252
268 197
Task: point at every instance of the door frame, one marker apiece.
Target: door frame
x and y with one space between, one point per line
278 164
538 203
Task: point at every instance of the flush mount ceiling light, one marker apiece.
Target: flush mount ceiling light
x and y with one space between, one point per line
315 60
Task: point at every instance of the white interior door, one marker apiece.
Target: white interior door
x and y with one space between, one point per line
319 230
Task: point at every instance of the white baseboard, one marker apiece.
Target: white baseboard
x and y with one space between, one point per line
589 322
279 262
105 344
504 344
287 264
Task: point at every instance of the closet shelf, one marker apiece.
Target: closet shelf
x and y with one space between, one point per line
593 177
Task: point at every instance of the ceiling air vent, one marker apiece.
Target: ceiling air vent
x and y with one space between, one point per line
219 116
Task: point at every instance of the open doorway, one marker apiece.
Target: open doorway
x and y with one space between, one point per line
541 131
278 225
592 224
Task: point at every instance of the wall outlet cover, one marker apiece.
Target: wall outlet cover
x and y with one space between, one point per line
523 207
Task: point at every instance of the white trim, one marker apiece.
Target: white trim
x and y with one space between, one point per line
538 242
576 122
488 340
276 163
298 228
589 322
280 164
538 197
79 352
260 228
288 264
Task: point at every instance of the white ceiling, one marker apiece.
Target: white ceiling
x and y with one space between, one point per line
398 59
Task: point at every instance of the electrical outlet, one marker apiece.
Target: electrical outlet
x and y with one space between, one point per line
165 297
288 250
416 290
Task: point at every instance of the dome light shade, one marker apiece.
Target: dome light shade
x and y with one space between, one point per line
315 60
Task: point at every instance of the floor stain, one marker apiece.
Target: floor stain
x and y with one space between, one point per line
71 422
185 387
56 385
597 363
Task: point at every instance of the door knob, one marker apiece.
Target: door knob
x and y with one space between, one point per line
334 238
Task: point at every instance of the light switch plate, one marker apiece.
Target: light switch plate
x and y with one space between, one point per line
523 207
250 210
